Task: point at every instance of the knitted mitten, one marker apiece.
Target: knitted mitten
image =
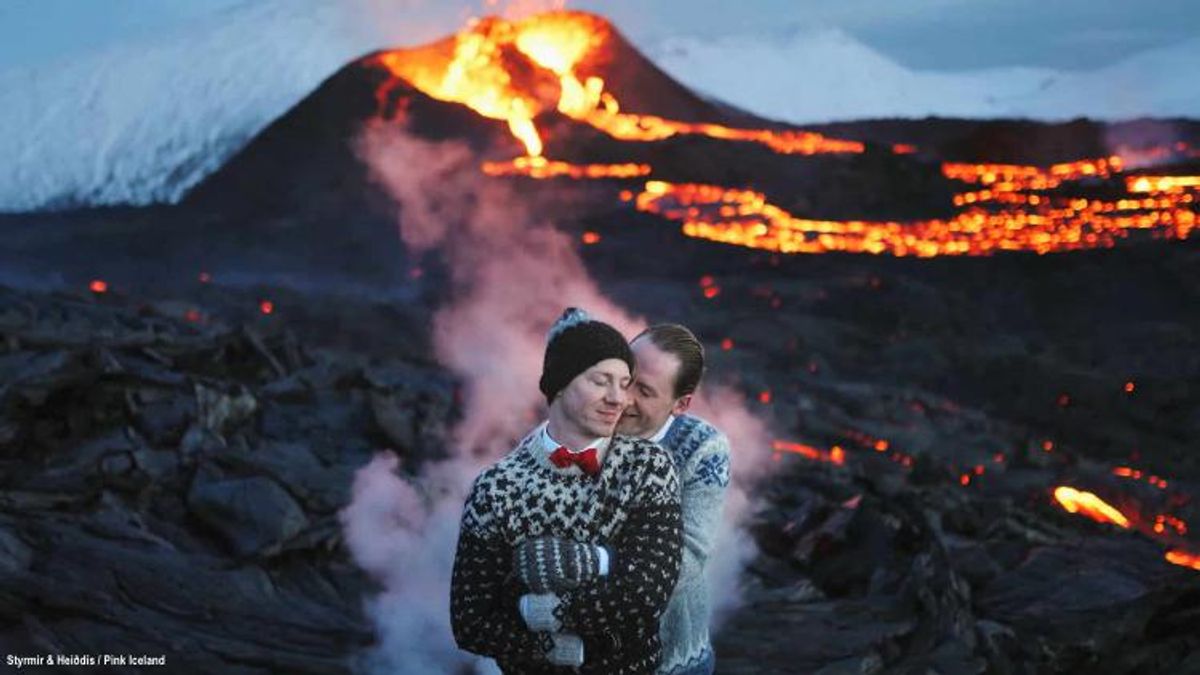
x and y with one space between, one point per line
566 650
550 564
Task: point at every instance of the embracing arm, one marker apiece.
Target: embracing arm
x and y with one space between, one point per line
483 597
645 568
703 488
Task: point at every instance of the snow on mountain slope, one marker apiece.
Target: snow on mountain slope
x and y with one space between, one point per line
826 75
142 123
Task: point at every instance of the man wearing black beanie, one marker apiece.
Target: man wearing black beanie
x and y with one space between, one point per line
570 546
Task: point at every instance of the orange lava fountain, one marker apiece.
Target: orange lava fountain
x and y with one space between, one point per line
506 70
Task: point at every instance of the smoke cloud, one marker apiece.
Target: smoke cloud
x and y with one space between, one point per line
749 440
512 274
1146 143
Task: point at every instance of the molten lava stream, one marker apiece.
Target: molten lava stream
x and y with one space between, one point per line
745 218
540 167
1090 505
1183 559
1165 528
835 455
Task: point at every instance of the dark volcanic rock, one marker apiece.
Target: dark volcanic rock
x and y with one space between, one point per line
142 509
252 514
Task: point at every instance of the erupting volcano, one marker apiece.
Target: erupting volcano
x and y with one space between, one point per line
506 70
518 71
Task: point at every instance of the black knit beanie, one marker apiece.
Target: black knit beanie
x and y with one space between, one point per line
575 343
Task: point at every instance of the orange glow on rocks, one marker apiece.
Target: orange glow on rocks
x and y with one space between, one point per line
266 307
98 286
837 455
590 238
1163 522
1137 474
1161 184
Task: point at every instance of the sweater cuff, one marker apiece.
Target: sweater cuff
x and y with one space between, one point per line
602 554
567 650
537 609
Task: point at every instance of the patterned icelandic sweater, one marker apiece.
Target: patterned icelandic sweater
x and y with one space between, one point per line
632 507
701 455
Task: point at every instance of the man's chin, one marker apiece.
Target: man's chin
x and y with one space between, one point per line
601 429
625 428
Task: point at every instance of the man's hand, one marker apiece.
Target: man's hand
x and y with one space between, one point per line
551 564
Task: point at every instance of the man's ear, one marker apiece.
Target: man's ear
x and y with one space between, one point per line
681 405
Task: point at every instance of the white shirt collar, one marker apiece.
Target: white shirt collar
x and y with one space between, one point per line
549 445
662 432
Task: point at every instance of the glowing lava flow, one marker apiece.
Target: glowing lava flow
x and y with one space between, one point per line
505 70
471 69
1127 472
1088 504
1183 559
1024 221
561 41
835 455
1164 527
540 167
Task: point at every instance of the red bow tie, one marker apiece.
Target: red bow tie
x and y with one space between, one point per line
585 459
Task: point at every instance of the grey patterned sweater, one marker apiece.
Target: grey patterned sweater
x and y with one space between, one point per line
701 455
631 507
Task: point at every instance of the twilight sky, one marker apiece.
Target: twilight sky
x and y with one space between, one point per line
943 35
